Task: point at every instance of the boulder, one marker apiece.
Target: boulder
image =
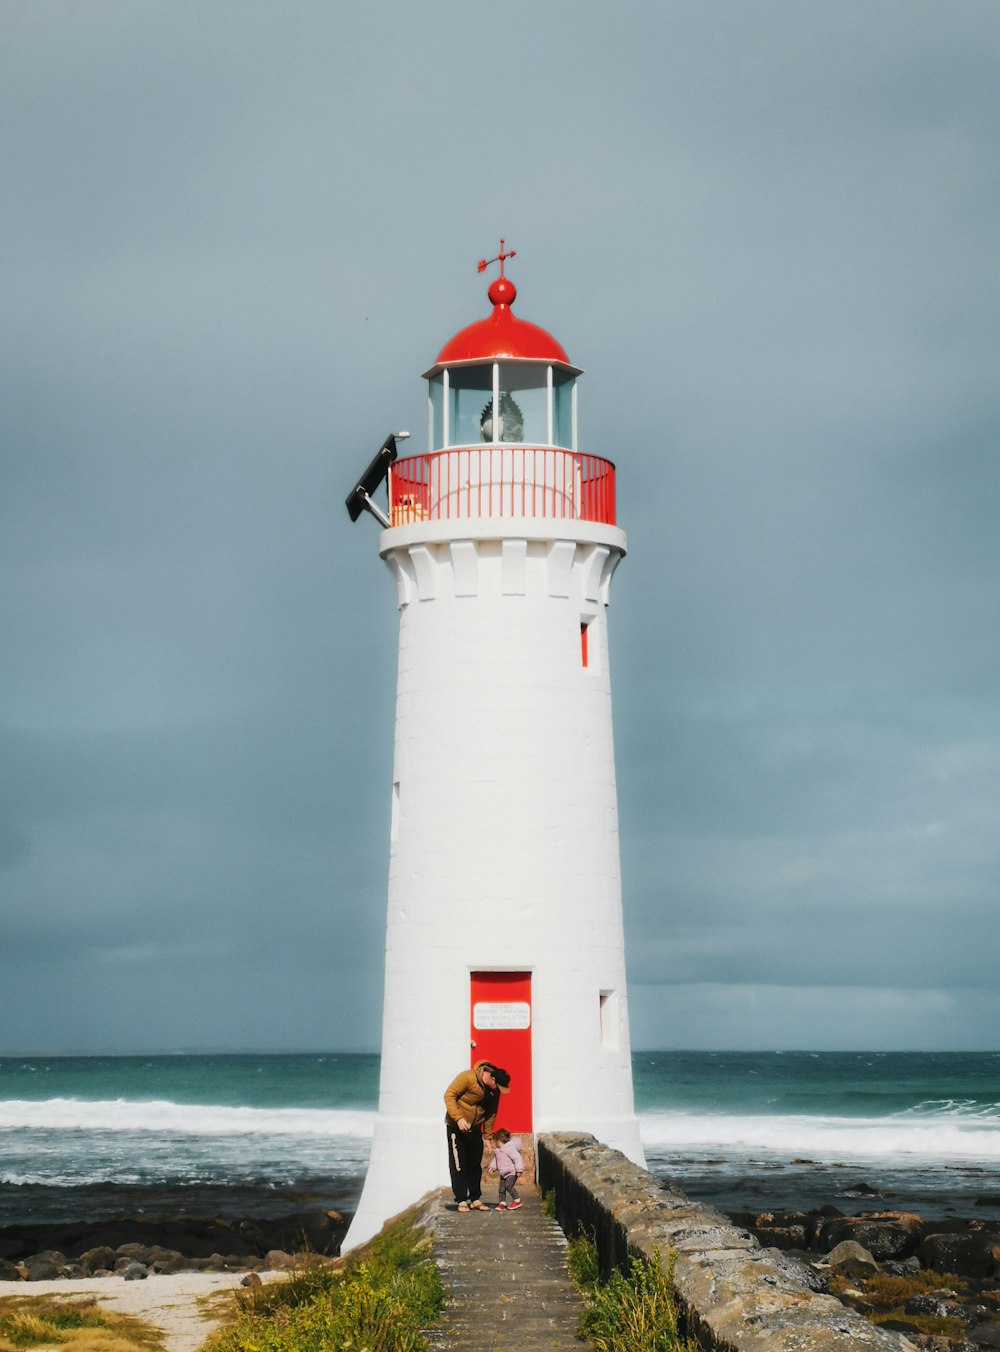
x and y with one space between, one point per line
100 1257
976 1253
9 1272
781 1236
848 1256
140 1252
44 1266
941 1304
861 1190
277 1258
135 1272
885 1235
167 1260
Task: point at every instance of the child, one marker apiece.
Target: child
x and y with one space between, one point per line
507 1162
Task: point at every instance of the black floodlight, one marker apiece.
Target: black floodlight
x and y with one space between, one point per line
359 499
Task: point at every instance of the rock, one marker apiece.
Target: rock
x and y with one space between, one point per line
985 1335
277 1258
884 1235
782 1236
135 1272
44 1266
861 1190
851 1258
796 1269
252 1279
100 1257
937 1303
167 1260
140 1252
9 1272
975 1253
906 1268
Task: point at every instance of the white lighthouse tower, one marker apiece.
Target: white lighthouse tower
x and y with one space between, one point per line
504 932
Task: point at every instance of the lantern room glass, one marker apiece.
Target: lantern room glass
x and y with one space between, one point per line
563 387
536 403
470 392
524 404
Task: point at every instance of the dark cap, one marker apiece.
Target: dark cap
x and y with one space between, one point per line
502 1078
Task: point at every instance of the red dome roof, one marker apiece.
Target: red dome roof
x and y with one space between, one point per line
501 335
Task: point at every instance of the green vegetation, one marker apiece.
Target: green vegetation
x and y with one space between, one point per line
376 1300
52 1321
636 1312
882 1298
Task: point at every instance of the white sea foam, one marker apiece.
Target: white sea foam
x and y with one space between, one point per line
180 1119
930 1134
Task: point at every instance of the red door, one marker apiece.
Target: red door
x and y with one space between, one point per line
501 1033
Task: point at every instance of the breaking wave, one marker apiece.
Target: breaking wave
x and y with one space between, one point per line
944 1129
163 1117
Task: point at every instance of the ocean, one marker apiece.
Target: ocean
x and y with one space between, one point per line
249 1135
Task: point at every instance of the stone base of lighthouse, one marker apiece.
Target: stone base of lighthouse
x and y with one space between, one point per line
504 851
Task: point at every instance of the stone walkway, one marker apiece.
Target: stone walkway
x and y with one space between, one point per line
506 1280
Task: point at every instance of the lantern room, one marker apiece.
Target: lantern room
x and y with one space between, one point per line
502 380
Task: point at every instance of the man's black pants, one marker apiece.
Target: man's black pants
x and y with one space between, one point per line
465 1162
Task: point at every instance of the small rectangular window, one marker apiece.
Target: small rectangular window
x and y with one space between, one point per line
584 644
609 1020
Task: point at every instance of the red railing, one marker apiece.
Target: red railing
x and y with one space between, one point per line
501 480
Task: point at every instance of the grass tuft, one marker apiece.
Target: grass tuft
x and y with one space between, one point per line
378 1298
49 1322
630 1312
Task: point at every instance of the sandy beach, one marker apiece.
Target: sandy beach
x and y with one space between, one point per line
179 1305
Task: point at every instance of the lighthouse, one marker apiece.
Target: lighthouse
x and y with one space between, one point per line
504 936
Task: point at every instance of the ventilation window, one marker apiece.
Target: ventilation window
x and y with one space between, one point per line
584 644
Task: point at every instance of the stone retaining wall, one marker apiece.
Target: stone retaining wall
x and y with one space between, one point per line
735 1296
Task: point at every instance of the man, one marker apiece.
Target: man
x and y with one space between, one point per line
471 1102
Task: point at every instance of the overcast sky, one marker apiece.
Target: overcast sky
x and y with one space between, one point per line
232 236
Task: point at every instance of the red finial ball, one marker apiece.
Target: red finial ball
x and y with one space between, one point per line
502 291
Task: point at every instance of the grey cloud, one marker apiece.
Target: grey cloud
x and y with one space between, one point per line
233 237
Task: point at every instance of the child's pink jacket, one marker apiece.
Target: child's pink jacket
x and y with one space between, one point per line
507 1158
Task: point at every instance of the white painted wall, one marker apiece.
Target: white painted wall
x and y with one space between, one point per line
506 805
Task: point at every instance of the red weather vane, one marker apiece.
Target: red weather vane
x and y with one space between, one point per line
485 262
